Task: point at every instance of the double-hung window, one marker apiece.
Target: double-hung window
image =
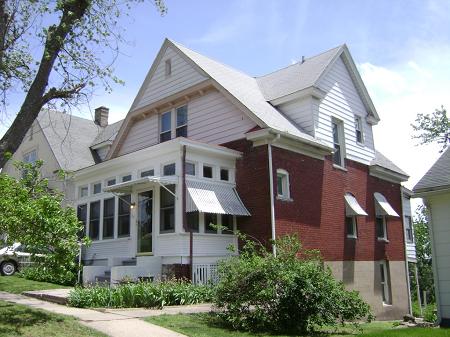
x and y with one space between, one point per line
385 282
94 220
167 216
359 130
82 217
123 221
166 127
181 130
173 122
409 229
381 227
338 142
351 225
283 184
108 218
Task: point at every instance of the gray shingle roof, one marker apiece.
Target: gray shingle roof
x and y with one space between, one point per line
438 176
69 138
108 133
381 160
296 77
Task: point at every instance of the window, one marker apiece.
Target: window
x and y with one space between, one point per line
224 174
358 130
168 67
190 169
94 220
385 282
147 173
111 181
97 188
380 221
126 178
210 222
409 229
167 217
227 221
83 191
351 226
166 127
30 157
207 171
338 154
169 169
282 184
108 218
124 216
192 221
82 217
181 130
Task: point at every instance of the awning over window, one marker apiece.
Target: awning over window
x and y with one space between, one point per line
352 206
382 207
127 186
213 198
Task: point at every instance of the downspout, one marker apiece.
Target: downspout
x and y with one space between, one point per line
406 260
272 199
183 208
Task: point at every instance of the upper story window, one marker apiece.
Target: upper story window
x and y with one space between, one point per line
169 169
224 174
351 226
166 127
381 227
168 67
190 169
207 171
30 157
338 142
409 229
359 130
283 184
181 130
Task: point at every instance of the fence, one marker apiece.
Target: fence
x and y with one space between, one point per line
205 273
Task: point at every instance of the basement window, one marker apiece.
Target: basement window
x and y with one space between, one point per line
385 282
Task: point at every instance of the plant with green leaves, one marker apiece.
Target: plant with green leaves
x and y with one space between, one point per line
33 215
434 127
290 292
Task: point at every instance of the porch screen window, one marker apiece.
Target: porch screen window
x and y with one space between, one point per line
409 229
166 127
358 130
338 157
83 191
97 188
192 221
190 169
385 282
108 218
167 216
210 222
94 220
111 182
124 216
82 217
181 130
227 221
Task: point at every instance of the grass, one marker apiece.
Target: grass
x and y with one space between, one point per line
18 320
17 285
205 325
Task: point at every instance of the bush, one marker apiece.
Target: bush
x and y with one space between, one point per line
142 294
429 313
258 291
40 273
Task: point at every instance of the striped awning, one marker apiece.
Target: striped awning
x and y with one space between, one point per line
352 206
382 207
213 198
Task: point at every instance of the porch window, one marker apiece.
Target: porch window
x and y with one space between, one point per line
166 126
126 178
224 174
96 188
94 220
111 182
227 221
338 142
385 282
167 207
124 216
207 171
381 225
82 217
190 169
169 169
409 229
147 173
181 130
210 222
108 218
83 191
192 221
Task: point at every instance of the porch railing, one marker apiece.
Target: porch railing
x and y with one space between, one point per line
205 274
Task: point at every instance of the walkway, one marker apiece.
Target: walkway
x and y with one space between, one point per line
113 322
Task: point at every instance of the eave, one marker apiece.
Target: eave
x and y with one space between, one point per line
386 174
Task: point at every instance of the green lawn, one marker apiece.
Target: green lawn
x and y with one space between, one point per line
204 325
18 320
17 285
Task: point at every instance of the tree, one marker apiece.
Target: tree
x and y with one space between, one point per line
433 127
74 36
33 215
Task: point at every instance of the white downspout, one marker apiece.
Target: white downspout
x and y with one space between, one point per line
272 201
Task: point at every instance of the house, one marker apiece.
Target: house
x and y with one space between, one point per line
289 152
434 189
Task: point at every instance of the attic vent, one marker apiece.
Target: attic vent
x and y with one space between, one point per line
168 67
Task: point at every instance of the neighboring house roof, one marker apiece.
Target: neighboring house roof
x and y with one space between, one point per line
437 177
382 161
108 134
69 137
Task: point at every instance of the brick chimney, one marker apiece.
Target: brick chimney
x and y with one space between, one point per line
101 116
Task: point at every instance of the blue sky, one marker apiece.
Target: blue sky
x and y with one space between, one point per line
402 49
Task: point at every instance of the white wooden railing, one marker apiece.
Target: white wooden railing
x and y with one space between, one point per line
205 273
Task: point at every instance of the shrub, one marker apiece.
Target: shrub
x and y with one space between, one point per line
142 294
41 273
283 293
429 313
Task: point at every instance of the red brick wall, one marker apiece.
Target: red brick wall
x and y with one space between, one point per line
317 212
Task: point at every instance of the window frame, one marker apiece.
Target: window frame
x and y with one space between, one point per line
384 226
80 189
354 234
163 167
212 171
162 134
120 215
108 180
285 185
409 232
181 126
340 133
91 219
164 208
186 170
145 170
224 169
385 282
359 133
123 176
93 187
109 217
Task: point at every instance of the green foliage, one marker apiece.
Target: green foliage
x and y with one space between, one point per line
434 127
141 294
33 215
291 292
429 313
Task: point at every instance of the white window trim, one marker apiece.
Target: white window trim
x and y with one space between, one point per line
385 286
341 138
196 173
173 121
170 112
169 163
409 224
213 169
355 227
79 191
384 237
359 127
144 170
124 175
93 188
105 183
286 196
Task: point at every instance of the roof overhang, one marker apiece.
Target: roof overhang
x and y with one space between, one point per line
424 192
352 207
386 174
382 206
312 91
102 144
128 186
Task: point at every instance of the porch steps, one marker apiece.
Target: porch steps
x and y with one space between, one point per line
105 279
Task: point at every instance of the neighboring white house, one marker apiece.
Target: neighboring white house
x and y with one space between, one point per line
434 189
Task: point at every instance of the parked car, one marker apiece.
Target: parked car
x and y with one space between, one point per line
12 258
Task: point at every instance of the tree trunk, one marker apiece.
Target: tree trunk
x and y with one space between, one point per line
35 98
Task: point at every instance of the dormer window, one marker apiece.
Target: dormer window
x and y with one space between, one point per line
359 130
338 142
168 67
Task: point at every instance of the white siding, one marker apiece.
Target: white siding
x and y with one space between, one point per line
103 151
343 102
410 247
214 119
300 112
440 218
143 133
203 245
99 250
183 76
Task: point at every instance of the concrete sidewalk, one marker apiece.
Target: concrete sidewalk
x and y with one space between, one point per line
113 322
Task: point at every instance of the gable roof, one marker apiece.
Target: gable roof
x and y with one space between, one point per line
108 134
69 138
437 177
382 161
